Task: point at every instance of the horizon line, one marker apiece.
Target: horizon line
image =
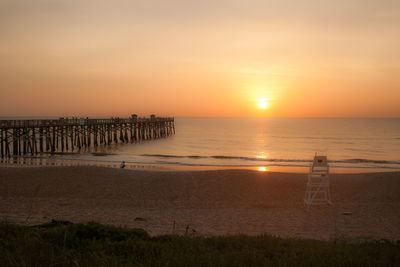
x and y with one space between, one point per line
244 117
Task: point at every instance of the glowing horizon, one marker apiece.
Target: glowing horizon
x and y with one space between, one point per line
208 59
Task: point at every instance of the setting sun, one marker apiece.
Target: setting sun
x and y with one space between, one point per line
262 103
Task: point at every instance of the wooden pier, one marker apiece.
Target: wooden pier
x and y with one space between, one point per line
30 137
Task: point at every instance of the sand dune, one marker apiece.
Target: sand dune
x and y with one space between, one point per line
203 202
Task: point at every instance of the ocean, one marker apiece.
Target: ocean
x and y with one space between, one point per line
282 144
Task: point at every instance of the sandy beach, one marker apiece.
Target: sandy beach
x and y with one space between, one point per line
203 202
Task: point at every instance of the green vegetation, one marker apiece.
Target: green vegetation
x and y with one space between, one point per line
93 244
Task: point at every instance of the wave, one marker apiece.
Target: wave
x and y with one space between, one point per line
164 156
222 157
369 161
158 160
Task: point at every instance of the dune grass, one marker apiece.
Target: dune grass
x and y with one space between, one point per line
93 244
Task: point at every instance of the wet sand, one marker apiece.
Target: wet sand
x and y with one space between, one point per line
203 202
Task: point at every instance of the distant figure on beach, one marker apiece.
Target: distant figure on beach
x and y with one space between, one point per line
122 165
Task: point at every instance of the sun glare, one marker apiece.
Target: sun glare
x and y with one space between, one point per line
262 169
262 103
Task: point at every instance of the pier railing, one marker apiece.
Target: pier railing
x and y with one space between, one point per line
22 137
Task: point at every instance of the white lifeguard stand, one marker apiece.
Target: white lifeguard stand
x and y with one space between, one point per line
318 184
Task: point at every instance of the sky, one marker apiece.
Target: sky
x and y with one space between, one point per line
313 58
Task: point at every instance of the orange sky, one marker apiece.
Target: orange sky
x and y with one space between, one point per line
200 58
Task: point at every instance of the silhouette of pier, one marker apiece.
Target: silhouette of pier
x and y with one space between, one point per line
30 137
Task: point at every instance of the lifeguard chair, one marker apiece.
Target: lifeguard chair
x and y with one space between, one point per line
318 184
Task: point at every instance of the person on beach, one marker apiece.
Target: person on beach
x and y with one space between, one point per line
122 165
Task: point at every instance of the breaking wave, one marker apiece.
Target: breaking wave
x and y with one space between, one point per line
352 161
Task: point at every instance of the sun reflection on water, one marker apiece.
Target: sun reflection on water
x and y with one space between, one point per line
262 169
261 155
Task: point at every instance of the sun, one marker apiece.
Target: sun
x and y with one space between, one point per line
262 103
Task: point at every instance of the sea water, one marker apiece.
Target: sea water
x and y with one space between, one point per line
353 144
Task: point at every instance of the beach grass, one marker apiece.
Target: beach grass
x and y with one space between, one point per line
93 244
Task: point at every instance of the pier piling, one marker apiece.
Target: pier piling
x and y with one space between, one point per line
30 137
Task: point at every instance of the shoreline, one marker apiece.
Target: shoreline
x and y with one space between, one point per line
208 202
71 162
149 168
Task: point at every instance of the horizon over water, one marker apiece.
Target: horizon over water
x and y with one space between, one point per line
289 144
